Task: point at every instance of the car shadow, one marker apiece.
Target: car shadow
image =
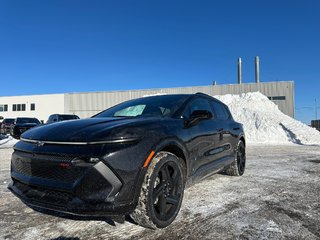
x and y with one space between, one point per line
109 220
65 238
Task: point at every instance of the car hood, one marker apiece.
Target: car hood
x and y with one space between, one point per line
88 130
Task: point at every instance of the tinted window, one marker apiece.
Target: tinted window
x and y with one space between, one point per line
27 120
32 106
198 104
156 106
67 117
220 111
52 118
8 120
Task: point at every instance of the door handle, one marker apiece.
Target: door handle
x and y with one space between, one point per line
219 129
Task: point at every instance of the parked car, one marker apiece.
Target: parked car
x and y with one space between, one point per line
5 126
61 117
133 158
22 124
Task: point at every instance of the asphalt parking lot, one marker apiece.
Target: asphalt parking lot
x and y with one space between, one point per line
277 198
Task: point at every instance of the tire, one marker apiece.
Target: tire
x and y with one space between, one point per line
161 192
238 166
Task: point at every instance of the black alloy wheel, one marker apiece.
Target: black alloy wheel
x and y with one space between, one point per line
241 158
162 192
167 191
238 166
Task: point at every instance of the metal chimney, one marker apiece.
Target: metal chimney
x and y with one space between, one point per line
239 71
257 66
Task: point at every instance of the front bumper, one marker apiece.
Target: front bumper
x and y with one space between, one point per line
61 182
57 201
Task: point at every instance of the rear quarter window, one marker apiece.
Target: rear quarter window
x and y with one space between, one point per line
220 111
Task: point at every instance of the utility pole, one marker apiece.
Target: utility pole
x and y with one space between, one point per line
239 71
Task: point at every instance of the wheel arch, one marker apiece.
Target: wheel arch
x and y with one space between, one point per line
175 147
170 145
242 138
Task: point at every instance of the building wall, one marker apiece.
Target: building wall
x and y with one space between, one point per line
45 105
88 104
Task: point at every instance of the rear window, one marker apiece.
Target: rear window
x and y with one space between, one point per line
8 120
27 120
67 117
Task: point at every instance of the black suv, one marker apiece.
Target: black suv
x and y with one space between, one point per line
61 117
22 124
133 158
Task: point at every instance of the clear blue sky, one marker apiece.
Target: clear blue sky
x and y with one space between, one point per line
72 46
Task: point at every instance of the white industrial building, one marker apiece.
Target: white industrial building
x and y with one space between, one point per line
89 103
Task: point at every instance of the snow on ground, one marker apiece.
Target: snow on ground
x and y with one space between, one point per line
7 142
276 198
264 123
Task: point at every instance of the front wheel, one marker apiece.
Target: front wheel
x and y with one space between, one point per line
161 193
239 164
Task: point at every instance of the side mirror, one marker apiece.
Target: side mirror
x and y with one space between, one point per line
197 116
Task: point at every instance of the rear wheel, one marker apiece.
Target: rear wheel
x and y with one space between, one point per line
238 166
161 193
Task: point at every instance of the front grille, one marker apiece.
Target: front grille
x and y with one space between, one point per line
48 157
48 195
46 166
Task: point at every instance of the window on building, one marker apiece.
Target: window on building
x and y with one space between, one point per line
18 107
277 98
3 107
32 106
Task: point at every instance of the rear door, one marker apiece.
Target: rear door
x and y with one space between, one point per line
225 122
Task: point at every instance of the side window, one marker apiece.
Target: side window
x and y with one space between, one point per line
220 111
197 104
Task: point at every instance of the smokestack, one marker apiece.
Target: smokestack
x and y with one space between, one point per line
257 64
239 71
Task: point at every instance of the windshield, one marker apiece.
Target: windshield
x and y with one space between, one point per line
156 106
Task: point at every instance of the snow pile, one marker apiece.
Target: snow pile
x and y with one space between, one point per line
264 123
7 142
